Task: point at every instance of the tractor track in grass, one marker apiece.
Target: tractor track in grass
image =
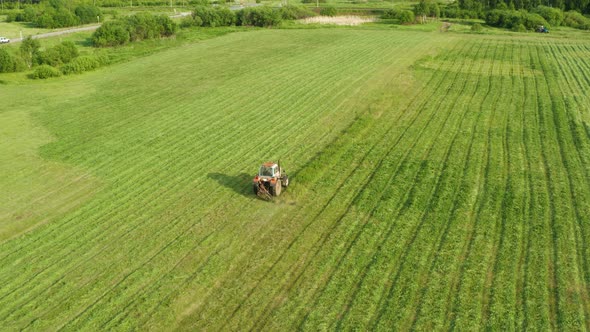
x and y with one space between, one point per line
456 207
290 284
553 293
493 269
522 275
531 137
457 283
577 141
492 202
566 163
357 233
394 275
438 245
427 211
580 62
435 196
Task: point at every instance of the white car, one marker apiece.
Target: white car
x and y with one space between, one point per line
4 40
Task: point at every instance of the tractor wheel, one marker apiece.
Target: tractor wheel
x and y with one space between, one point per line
276 190
285 181
255 189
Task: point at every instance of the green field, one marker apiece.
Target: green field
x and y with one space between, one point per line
438 181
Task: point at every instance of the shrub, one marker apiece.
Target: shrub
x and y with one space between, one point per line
10 63
476 27
45 71
406 17
212 17
514 19
453 11
137 27
427 8
29 14
391 14
328 11
291 12
44 21
187 21
82 64
58 55
64 18
533 21
226 16
11 17
519 28
147 26
167 26
87 13
50 17
200 2
553 16
258 16
576 20
111 33
29 50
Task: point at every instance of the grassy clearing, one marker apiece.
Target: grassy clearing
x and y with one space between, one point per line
440 181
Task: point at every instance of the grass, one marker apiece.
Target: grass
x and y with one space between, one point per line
439 180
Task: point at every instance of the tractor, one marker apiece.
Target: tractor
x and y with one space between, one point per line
542 29
270 180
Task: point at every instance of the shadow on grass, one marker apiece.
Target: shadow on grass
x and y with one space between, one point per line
240 183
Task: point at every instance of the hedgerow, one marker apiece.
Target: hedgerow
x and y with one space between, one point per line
258 16
292 12
56 14
137 27
328 11
83 63
57 55
576 20
510 19
10 63
212 17
553 16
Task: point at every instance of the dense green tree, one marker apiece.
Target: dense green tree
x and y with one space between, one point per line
87 13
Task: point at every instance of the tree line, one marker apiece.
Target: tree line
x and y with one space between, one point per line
582 6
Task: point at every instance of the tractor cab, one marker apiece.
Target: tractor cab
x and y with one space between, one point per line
268 170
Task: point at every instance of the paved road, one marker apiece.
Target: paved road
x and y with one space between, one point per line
86 28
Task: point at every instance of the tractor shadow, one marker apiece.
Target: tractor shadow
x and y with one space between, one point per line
240 183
